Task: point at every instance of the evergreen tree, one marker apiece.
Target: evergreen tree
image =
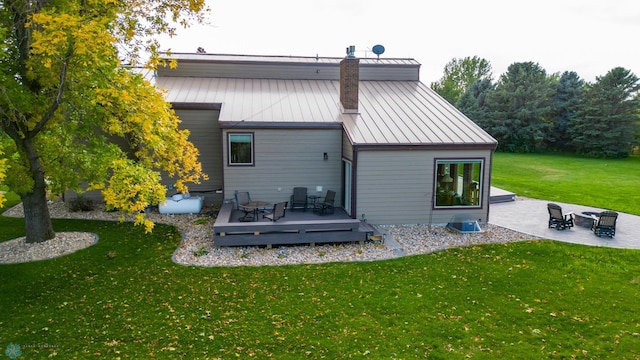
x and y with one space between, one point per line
566 103
473 102
520 108
607 123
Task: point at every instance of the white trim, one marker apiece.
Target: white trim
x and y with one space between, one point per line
347 186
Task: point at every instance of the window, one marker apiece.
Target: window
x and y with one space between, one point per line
458 183
241 149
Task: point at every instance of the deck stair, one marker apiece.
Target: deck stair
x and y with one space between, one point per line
497 195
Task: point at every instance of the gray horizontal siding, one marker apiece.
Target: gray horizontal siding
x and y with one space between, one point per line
388 73
396 187
254 71
280 67
290 71
205 134
285 159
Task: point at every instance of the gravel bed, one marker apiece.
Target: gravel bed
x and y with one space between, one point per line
422 239
196 248
18 251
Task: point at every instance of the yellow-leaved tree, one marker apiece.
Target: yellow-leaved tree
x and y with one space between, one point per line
71 114
3 169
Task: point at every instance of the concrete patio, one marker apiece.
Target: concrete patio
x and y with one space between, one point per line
530 216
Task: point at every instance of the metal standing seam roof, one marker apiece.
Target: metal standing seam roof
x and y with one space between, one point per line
390 112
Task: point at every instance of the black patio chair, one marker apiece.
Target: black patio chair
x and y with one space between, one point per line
299 198
325 206
278 212
606 224
558 219
242 198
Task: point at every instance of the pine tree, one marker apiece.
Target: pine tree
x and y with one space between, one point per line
520 108
473 103
607 123
566 103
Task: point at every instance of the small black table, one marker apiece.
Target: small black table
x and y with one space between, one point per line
254 206
313 199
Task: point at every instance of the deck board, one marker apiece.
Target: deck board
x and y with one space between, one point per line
297 227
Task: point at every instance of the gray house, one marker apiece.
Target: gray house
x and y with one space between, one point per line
393 150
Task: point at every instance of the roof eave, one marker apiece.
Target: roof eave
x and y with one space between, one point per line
279 125
432 147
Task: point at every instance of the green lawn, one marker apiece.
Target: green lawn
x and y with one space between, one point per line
608 184
124 298
10 198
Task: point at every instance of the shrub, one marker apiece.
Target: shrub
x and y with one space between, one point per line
200 252
81 203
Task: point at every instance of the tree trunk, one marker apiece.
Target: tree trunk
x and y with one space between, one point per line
36 217
36 210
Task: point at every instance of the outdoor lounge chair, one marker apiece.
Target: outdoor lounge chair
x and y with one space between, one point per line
299 198
278 212
242 198
326 205
558 219
606 224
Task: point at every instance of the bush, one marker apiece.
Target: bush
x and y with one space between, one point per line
201 252
81 203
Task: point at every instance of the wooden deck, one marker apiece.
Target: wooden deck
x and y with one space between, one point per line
297 227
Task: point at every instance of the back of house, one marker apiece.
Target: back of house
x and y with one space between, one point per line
394 151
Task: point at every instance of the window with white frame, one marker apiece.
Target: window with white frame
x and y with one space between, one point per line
240 148
458 182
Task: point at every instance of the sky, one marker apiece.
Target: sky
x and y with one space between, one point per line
589 37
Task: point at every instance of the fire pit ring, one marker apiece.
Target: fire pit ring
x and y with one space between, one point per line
586 219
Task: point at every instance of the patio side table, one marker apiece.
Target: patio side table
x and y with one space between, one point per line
257 207
312 199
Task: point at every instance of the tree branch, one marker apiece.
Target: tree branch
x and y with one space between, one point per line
58 100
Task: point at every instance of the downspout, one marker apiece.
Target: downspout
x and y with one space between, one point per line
433 200
354 182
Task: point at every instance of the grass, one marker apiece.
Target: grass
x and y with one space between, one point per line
608 184
124 298
10 198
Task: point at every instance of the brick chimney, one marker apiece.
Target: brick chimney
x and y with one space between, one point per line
349 78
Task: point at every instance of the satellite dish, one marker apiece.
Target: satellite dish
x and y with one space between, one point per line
378 50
